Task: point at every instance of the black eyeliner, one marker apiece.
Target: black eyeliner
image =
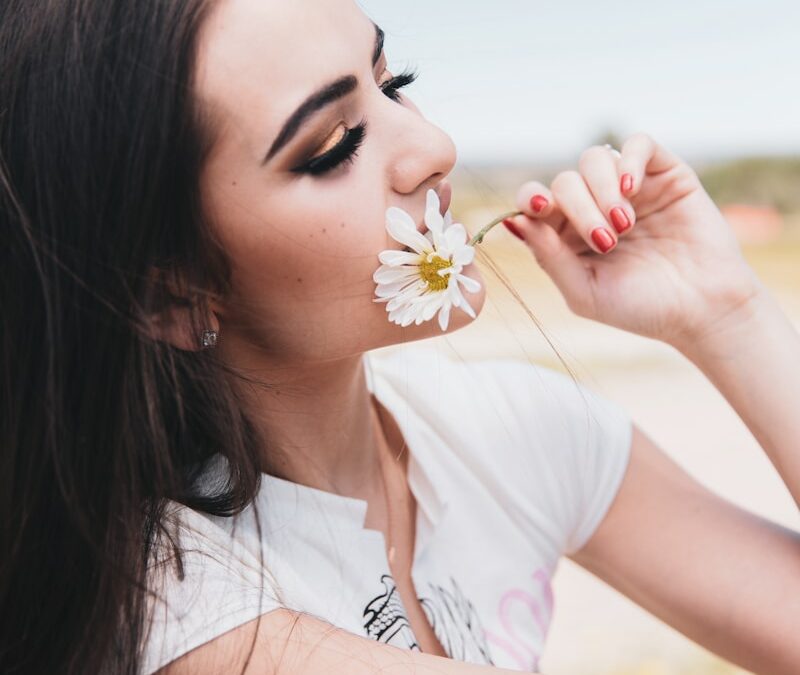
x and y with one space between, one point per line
347 149
343 151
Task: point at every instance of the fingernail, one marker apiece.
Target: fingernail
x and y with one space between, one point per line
620 219
539 203
626 183
603 239
513 229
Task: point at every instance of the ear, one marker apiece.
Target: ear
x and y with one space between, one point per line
175 322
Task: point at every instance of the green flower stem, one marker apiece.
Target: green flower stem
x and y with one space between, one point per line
478 238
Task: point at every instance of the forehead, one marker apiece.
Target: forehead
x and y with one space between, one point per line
259 59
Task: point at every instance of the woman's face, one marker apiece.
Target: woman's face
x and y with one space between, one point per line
304 246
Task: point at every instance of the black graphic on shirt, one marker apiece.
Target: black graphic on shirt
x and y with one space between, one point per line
386 620
451 615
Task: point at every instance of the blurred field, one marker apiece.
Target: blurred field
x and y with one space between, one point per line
597 631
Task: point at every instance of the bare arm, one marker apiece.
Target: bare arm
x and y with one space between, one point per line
288 643
753 359
724 577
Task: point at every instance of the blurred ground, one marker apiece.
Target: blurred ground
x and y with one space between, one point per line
595 630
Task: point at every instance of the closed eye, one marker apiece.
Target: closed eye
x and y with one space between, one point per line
347 149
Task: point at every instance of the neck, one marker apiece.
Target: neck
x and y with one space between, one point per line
317 426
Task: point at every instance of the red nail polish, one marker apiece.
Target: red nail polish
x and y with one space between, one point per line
539 203
626 184
620 219
513 229
603 239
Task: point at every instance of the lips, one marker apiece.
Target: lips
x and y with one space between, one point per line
445 193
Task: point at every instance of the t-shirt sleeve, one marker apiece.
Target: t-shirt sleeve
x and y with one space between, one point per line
568 447
221 587
592 472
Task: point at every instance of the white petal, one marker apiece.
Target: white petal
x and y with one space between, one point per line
394 303
400 217
433 305
455 236
469 283
388 275
433 219
409 316
466 307
389 290
444 316
453 293
388 296
407 294
448 219
402 300
431 200
396 315
393 291
397 258
436 227
402 228
464 255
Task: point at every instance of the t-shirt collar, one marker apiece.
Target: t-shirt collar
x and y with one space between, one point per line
282 499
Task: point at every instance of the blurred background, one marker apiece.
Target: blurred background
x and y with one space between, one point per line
523 87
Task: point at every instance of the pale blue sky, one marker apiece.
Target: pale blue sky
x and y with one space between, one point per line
528 80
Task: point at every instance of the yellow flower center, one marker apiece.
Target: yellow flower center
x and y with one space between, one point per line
428 270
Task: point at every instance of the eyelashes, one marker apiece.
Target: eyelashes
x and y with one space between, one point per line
344 151
392 86
347 150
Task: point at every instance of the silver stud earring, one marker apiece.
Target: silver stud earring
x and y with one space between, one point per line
209 339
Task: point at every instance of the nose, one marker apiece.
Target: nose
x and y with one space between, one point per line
424 154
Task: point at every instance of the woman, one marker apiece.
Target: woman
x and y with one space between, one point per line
189 243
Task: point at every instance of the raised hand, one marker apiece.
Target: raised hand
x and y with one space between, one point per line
634 241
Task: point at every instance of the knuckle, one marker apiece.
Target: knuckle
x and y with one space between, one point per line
642 138
564 180
590 154
577 305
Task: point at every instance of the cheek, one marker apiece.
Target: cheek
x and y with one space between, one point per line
301 247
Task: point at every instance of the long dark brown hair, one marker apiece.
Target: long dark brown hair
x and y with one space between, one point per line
101 226
101 144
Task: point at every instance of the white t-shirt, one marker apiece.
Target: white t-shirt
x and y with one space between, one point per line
512 466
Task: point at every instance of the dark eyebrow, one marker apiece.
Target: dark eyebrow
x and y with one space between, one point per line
319 99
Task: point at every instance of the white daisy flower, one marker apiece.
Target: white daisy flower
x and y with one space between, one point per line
424 279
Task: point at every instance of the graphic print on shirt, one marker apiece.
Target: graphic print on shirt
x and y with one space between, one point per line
386 620
451 615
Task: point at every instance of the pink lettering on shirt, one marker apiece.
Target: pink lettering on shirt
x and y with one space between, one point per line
524 650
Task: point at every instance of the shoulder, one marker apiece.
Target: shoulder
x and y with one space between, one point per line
229 650
289 642
499 395
548 449
215 586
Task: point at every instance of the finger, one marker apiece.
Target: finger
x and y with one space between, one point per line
641 155
599 169
577 202
536 201
561 263
569 237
